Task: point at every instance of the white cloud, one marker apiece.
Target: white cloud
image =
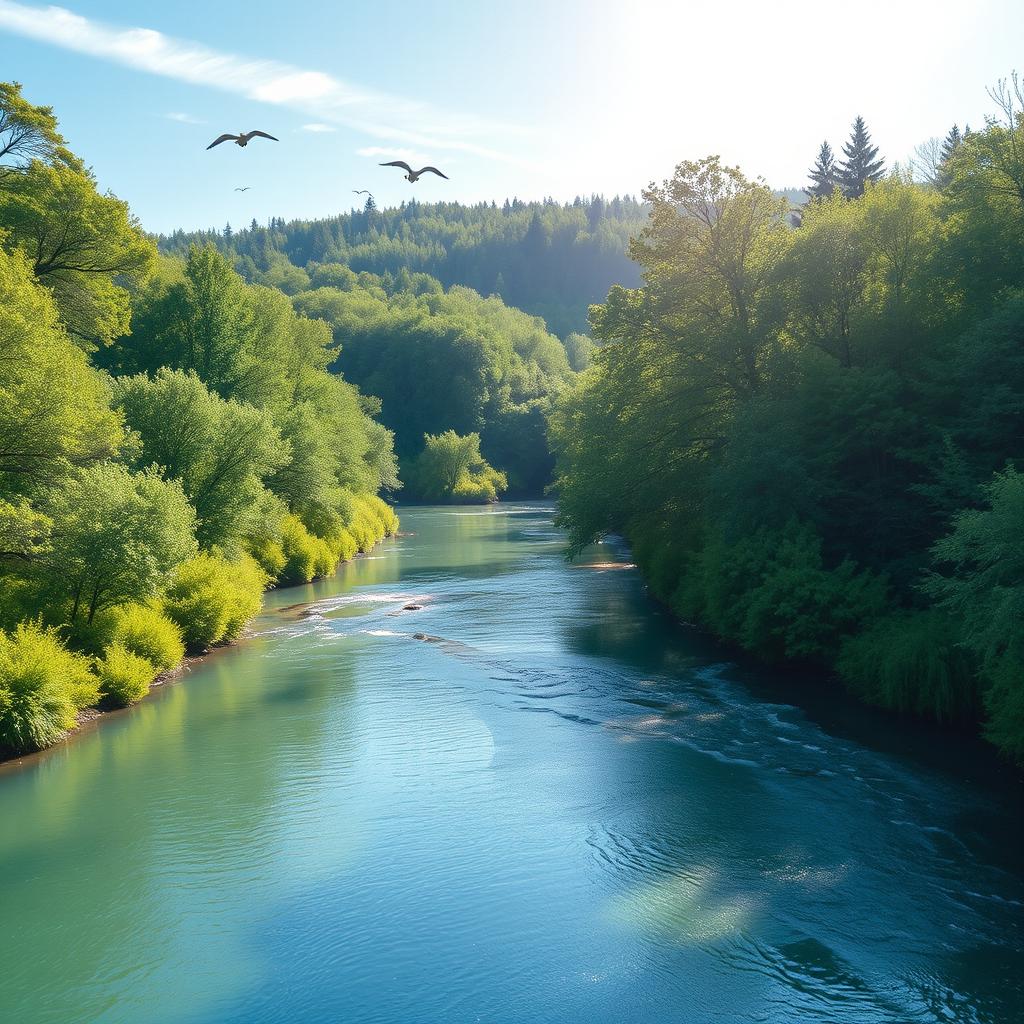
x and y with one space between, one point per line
330 99
183 118
318 128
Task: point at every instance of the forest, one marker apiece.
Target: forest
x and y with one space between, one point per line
810 427
171 443
549 259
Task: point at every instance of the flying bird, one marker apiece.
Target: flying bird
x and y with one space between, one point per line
246 189
243 139
362 192
412 175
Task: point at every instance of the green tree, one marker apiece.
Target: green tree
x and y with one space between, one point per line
28 133
861 163
983 588
220 451
451 466
116 536
85 247
54 408
824 174
950 143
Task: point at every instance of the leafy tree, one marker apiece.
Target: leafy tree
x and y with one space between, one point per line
28 133
116 536
85 247
861 164
824 174
451 466
579 350
54 408
219 451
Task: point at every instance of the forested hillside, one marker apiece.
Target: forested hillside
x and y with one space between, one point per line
550 259
171 443
812 436
447 361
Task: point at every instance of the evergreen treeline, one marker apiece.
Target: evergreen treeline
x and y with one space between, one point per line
550 259
812 436
152 483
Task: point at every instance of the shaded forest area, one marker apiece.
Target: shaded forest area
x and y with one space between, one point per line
811 435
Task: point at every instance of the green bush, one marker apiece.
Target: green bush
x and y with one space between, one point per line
912 661
211 598
451 468
147 632
124 677
43 686
269 553
300 552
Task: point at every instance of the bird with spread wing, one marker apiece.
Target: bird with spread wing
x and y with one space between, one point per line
411 175
242 139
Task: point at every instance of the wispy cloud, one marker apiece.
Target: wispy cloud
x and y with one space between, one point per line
319 128
183 118
314 92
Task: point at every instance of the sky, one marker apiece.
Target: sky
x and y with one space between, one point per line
533 99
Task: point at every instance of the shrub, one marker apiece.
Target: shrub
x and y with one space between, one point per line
451 467
269 553
124 677
211 599
43 686
147 632
300 552
911 661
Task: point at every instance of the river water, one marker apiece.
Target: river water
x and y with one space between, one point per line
561 807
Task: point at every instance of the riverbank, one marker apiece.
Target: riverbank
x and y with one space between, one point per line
90 717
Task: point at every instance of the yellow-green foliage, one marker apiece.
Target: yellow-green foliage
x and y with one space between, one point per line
269 552
483 485
124 677
212 598
147 632
310 553
43 686
300 551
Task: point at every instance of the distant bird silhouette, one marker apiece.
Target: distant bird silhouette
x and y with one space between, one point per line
412 175
246 189
362 192
242 140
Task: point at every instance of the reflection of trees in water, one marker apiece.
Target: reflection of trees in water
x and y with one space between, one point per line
159 823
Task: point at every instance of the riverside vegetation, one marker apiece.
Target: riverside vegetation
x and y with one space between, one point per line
171 443
811 435
806 423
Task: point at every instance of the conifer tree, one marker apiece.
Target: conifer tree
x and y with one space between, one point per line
823 174
862 163
951 142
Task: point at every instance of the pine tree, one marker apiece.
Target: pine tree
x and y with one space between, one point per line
862 163
951 142
370 207
823 174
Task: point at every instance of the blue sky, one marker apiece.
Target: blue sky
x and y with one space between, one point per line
529 99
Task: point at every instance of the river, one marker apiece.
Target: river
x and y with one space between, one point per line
561 808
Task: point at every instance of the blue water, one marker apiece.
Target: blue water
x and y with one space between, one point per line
553 806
